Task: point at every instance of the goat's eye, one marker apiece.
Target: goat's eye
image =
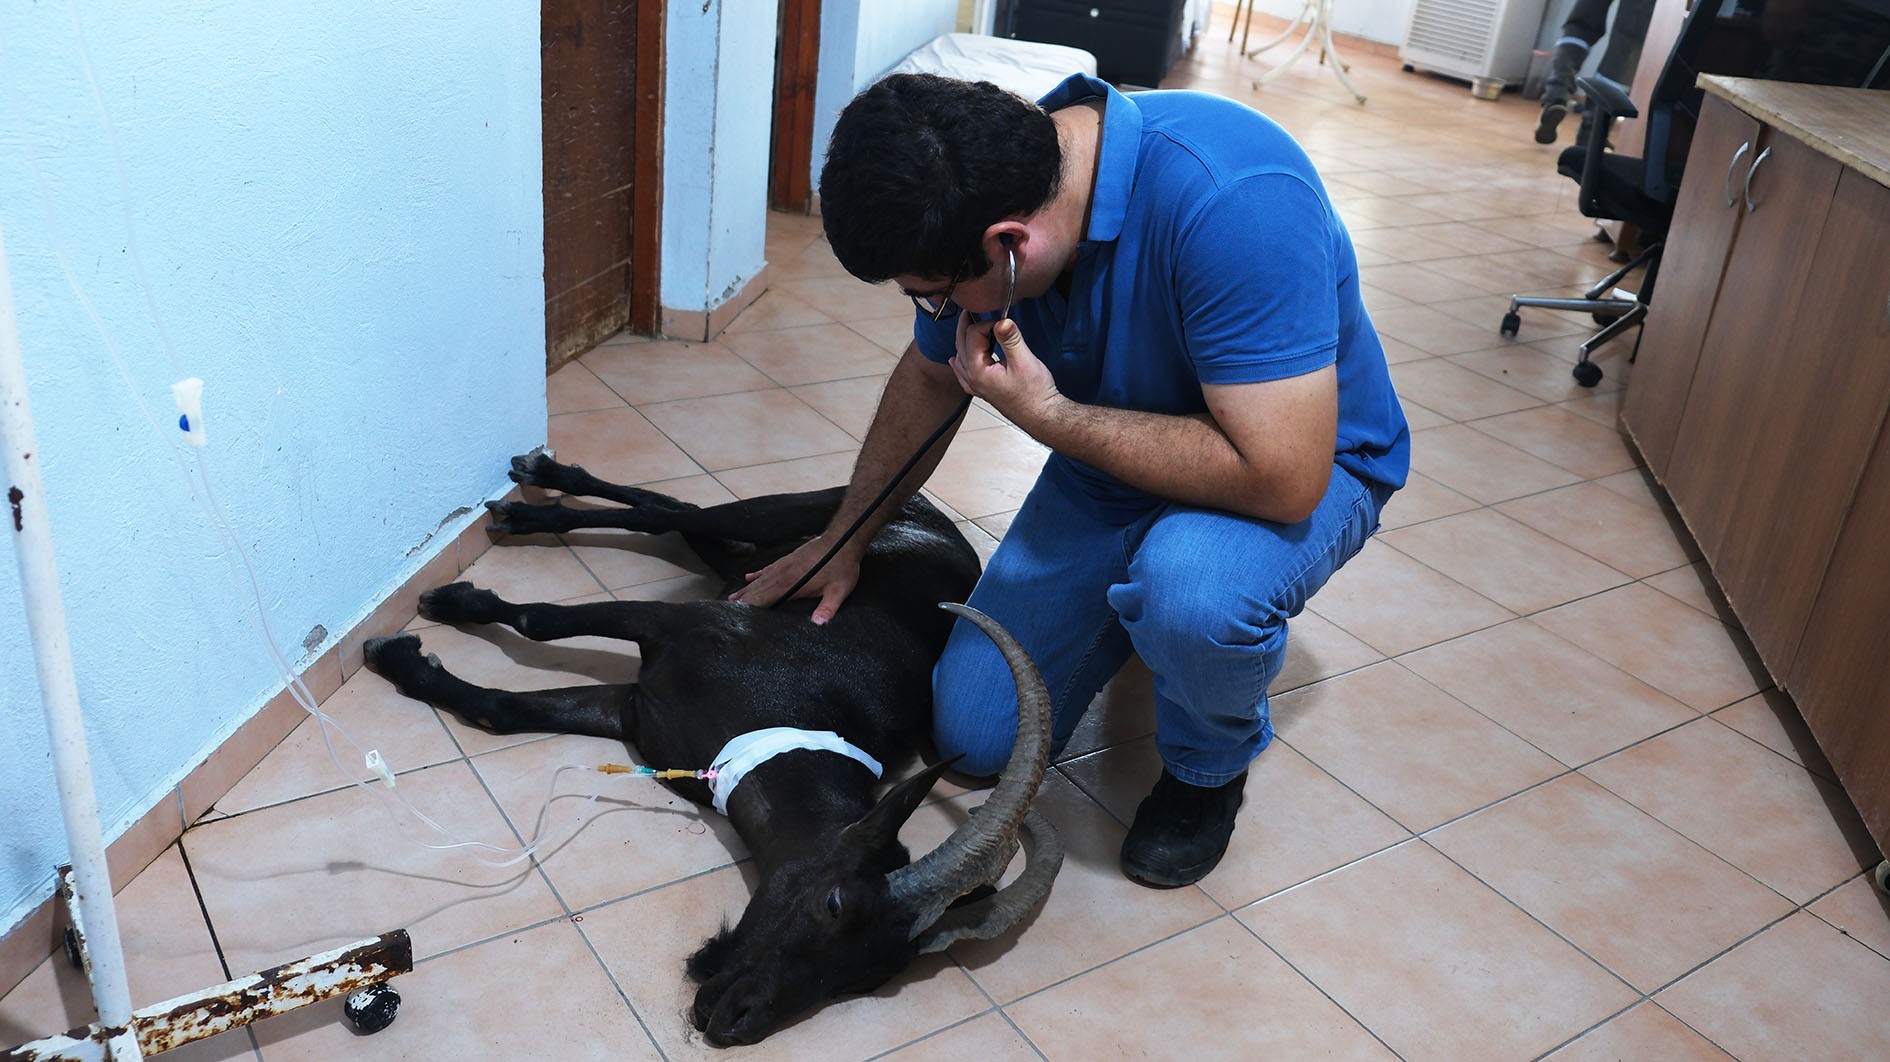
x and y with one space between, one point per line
834 902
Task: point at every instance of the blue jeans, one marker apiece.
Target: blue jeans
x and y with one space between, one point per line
1202 595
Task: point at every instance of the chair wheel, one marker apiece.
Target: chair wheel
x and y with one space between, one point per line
1587 373
1606 319
373 1008
1512 323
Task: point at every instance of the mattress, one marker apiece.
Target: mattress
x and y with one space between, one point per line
1027 68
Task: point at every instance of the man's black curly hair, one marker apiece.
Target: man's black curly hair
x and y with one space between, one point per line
919 166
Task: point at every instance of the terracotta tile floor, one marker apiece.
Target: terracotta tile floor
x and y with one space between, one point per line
1531 795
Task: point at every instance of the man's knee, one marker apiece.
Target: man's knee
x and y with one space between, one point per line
982 750
1226 620
974 705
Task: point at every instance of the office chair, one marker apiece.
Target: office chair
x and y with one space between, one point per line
1638 190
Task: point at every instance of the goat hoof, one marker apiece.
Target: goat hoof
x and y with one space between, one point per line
522 518
524 467
502 512
536 469
458 603
381 653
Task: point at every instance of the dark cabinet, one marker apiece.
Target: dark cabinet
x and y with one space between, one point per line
1134 41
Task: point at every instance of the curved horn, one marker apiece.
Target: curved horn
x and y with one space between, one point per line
979 850
997 913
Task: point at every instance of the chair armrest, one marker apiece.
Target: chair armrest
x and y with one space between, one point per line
1607 102
1606 98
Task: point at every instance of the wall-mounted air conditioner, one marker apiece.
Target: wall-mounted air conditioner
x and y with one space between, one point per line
1486 41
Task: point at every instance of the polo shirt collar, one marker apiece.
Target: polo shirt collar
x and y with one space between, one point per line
1115 159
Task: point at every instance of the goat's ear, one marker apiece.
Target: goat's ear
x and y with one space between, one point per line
880 826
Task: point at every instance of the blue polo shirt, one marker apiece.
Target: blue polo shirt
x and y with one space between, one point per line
1212 256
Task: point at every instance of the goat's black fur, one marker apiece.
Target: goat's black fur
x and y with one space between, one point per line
823 920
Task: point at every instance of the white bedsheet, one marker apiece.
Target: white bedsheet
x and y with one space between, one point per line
1027 68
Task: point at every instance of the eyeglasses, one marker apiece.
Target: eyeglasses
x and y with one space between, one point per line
935 306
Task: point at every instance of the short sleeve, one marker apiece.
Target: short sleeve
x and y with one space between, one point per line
1256 276
937 340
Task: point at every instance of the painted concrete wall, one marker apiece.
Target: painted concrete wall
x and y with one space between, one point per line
859 41
717 124
339 210
1375 20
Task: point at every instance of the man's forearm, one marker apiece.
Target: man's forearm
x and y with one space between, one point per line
1262 449
917 399
1187 459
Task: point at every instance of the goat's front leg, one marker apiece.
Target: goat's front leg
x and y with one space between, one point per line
595 711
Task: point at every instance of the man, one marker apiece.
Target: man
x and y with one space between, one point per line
1586 22
1180 323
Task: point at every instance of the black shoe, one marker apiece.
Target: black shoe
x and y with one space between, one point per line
1552 115
1180 831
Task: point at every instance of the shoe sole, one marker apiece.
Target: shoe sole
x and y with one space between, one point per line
1552 116
1156 879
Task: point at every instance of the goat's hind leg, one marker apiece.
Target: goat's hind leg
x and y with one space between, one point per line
769 520
595 711
732 538
649 510
538 469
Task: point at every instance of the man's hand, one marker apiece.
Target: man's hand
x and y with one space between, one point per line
831 583
995 364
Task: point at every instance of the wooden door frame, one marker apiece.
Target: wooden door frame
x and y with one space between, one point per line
646 182
796 77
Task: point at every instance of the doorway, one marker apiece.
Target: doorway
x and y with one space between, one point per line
796 76
602 78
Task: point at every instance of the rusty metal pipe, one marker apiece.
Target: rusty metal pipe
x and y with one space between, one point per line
220 1008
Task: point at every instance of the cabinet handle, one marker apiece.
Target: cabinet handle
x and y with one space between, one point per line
1737 155
1750 206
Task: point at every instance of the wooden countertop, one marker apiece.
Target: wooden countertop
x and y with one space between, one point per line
1850 125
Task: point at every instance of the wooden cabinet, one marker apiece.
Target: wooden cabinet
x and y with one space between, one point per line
1698 241
1761 395
1737 452
1841 674
1826 385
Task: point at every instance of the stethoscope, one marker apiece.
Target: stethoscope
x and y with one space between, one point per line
957 413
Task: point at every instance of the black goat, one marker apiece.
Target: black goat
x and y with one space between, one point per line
840 907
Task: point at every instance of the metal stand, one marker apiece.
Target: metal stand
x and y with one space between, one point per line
360 969
93 942
1317 17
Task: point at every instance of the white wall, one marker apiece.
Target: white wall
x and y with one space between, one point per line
1377 20
339 208
891 28
859 41
717 122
